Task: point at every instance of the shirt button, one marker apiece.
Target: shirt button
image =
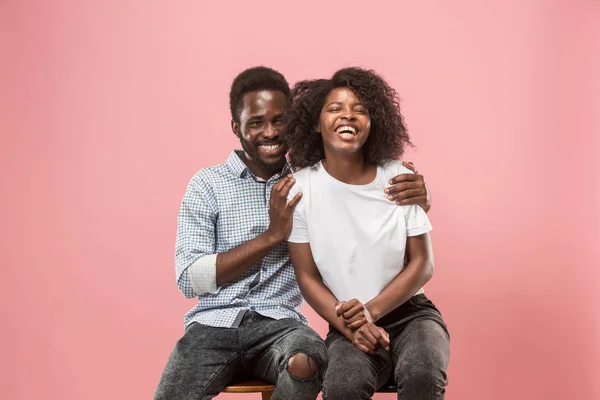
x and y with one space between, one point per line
253 308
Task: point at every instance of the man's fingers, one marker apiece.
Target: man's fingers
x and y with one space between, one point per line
404 178
295 200
279 185
407 194
285 190
401 187
410 166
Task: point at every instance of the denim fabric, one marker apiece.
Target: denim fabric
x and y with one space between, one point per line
417 360
206 359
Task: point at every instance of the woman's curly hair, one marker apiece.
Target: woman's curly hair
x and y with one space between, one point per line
387 138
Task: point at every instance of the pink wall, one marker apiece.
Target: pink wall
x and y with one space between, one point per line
108 108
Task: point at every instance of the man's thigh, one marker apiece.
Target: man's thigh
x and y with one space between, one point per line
278 340
203 362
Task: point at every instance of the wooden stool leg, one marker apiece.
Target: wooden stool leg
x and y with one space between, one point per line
267 395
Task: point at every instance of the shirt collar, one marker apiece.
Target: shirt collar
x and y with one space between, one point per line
235 164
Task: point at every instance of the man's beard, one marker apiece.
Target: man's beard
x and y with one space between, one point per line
252 151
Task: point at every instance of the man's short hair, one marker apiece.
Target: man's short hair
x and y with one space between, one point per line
255 79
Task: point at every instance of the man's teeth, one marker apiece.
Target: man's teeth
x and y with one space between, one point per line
346 129
270 147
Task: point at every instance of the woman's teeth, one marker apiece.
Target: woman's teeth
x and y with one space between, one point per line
346 129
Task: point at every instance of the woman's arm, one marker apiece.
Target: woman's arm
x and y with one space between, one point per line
416 274
367 338
317 295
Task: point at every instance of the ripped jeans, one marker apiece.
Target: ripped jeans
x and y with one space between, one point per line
206 359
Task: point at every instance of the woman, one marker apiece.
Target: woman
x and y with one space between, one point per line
346 134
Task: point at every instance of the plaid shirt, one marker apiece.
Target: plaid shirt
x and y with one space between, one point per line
225 206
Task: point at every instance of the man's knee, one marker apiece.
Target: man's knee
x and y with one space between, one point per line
302 366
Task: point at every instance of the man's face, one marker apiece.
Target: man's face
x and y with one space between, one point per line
261 128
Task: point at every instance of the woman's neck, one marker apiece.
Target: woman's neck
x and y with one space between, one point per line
351 170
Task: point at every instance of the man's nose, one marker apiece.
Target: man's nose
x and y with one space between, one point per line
271 131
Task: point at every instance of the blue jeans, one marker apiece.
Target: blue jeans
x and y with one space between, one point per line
206 359
417 360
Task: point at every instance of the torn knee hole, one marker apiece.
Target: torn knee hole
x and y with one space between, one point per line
302 366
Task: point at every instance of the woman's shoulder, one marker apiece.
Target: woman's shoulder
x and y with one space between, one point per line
393 168
303 178
304 174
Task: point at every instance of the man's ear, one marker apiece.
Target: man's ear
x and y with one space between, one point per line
235 128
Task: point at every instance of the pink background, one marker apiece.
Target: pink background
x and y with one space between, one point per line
107 108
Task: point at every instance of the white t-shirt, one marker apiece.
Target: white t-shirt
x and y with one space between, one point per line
357 236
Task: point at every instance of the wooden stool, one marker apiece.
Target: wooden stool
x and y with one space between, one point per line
267 389
251 387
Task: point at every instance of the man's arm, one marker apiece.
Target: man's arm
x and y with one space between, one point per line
195 243
409 189
199 269
233 263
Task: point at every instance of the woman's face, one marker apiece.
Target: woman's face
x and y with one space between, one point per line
344 122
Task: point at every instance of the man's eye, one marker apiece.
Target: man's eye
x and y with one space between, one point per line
279 122
361 111
254 124
334 109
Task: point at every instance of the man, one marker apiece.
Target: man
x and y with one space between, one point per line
231 253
